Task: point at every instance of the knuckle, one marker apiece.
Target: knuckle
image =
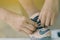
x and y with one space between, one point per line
36 25
51 24
33 29
29 31
47 24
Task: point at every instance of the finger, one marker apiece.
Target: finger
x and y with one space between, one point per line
30 27
40 16
43 19
32 23
52 18
26 30
48 19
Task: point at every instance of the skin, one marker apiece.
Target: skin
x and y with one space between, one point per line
48 12
21 23
29 6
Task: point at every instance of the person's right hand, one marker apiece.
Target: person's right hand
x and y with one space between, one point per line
19 23
24 24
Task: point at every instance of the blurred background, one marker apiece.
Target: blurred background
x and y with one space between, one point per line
15 6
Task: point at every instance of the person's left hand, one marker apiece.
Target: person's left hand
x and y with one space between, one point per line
47 16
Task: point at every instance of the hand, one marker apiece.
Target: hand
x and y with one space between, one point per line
24 24
47 16
17 22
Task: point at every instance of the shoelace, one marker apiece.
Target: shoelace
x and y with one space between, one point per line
40 28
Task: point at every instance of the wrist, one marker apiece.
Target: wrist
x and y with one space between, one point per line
11 18
51 5
2 14
7 16
48 5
